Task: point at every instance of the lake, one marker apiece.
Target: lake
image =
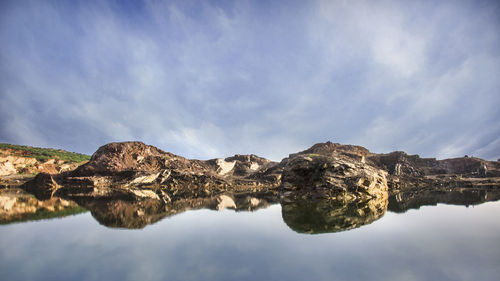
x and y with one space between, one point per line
293 241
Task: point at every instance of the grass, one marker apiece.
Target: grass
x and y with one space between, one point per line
44 154
311 155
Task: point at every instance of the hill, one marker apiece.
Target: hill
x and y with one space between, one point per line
18 161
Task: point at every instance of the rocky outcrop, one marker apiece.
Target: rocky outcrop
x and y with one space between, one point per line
327 188
14 164
399 163
136 171
336 177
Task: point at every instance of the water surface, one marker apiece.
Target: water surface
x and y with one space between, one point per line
289 242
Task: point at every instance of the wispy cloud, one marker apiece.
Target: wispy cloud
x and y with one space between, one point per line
209 79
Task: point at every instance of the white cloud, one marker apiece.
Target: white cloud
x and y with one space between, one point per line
206 80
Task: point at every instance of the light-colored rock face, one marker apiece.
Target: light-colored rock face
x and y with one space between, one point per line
254 166
224 167
10 165
7 168
145 179
13 164
334 177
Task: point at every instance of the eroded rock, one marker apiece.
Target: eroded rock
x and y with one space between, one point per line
328 176
136 171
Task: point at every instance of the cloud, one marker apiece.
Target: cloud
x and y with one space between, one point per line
210 79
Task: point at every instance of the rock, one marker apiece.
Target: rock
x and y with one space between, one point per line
224 167
122 157
328 176
50 162
145 179
7 168
136 171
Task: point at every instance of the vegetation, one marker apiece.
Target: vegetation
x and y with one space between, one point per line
44 154
312 155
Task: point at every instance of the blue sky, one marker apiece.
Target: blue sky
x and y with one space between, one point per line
207 79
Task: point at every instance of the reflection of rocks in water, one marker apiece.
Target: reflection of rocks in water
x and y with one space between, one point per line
17 206
323 216
126 214
403 201
138 214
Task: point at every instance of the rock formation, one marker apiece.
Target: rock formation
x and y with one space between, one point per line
327 188
332 175
136 171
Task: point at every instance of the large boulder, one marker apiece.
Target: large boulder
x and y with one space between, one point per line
121 157
328 176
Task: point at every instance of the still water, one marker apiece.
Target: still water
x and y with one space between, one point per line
443 242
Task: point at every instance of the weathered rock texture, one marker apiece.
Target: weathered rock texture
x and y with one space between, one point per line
15 164
136 171
333 176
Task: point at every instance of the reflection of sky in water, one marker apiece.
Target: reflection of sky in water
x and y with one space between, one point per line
433 243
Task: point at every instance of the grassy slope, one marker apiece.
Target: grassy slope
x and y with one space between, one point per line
44 154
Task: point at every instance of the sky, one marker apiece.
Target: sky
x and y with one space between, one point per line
207 79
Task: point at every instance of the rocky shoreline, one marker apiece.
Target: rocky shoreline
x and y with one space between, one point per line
131 184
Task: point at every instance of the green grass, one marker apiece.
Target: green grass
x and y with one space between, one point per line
311 155
44 154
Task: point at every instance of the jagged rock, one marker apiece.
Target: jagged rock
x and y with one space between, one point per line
329 176
224 167
399 163
16 165
122 157
134 171
7 168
